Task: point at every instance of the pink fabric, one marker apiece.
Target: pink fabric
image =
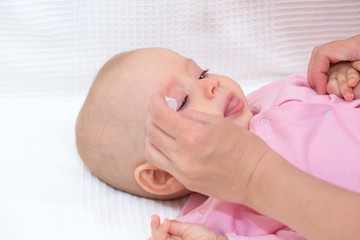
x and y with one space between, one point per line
319 134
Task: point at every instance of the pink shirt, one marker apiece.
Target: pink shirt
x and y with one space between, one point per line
319 134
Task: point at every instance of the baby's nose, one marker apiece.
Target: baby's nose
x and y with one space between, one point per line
210 85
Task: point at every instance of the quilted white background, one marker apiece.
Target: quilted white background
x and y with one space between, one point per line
50 51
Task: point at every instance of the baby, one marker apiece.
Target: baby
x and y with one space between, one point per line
110 129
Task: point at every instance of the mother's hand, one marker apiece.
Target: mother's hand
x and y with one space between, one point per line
208 154
333 52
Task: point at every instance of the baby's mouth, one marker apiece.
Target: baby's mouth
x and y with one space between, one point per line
233 105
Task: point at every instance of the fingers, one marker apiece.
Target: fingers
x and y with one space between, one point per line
345 90
353 74
354 78
157 157
157 141
178 228
332 52
333 87
357 92
155 222
161 132
170 133
166 119
318 67
356 65
201 117
190 231
343 80
174 123
159 231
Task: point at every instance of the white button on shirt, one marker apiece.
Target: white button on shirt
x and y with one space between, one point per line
264 121
328 113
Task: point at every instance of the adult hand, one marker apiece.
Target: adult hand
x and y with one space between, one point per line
213 156
322 56
208 154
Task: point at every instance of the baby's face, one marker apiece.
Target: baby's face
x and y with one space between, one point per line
192 87
111 127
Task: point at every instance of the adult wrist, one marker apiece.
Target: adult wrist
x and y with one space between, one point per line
265 174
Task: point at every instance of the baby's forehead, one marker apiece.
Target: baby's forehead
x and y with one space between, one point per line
154 69
156 57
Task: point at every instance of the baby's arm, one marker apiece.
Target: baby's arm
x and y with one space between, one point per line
343 79
183 231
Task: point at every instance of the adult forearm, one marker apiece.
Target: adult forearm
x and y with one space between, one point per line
314 208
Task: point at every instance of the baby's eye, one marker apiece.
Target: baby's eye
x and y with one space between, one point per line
184 103
204 74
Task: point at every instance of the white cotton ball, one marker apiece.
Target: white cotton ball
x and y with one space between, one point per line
171 102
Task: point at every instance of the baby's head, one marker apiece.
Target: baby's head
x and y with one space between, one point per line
110 129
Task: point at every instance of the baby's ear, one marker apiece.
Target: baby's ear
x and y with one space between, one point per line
156 181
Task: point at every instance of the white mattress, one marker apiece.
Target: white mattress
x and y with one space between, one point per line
50 51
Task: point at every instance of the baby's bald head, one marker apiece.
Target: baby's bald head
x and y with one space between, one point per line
110 128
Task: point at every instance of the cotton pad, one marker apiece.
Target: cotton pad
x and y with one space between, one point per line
171 102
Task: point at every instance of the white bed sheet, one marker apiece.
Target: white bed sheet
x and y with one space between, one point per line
47 193
50 51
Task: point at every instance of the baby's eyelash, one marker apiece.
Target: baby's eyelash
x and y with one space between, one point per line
184 103
203 74
186 99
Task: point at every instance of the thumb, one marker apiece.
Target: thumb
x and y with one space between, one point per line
178 228
317 71
201 117
317 80
356 65
320 84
